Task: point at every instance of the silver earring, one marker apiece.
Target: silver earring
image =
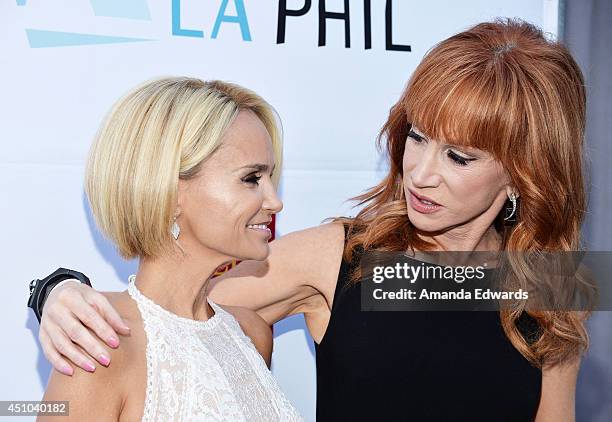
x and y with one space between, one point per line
175 230
510 213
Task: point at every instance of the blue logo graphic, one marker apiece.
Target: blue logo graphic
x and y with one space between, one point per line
240 19
128 9
137 10
41 39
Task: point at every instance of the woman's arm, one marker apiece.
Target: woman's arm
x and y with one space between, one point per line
302 267
558 399
299 275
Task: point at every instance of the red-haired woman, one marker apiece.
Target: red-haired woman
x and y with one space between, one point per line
492 118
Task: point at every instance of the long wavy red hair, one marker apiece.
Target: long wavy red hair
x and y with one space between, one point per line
504 88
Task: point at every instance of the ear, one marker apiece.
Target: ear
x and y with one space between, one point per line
180 197
510 189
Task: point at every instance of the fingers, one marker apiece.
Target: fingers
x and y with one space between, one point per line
103 306
89 316
63 329
69 310
66 347
77 333
52 355
78 300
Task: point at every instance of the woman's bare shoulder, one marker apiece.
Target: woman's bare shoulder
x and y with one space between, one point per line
112 386
134 343
124 305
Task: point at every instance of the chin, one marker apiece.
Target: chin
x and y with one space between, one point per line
259 253
425 223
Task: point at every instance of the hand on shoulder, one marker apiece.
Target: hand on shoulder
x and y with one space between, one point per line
103 391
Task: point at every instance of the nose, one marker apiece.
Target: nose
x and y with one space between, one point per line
272 202
424 172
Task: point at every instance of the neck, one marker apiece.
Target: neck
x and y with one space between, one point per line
472 245
177 282
464 238
478 234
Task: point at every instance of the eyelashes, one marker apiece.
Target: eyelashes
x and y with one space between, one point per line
415 136
252 179
462 161
456 158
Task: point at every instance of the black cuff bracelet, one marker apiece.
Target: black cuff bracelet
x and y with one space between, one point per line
39 289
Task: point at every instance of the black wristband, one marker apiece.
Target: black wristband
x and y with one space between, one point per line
39 289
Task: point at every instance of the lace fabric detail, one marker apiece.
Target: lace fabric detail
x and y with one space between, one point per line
205 370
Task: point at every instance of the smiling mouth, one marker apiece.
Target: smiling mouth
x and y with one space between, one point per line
261 228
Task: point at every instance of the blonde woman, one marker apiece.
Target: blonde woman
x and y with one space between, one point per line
182 175
492 119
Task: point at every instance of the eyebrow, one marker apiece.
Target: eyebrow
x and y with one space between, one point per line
258 167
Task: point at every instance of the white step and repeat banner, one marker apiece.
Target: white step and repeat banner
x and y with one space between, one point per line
331 68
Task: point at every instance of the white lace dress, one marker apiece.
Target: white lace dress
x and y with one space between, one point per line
205 370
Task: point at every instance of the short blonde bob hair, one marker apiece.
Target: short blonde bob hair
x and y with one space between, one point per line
158 133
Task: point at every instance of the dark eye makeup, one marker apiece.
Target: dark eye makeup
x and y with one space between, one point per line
462 161
252 178
415 136
456 158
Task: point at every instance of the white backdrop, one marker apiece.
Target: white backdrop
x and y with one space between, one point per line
64 63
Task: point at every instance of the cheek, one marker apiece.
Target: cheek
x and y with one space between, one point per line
472 191
409 159
221 211
211 209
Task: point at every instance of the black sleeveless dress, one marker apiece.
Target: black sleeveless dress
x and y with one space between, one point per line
420 366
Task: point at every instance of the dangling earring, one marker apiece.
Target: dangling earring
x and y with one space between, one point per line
511 210
175 230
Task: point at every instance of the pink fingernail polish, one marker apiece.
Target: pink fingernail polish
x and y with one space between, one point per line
66 370
113 342
89 367
104 360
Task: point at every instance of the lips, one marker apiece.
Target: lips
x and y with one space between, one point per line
423 198
422 207
262 225
261 228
